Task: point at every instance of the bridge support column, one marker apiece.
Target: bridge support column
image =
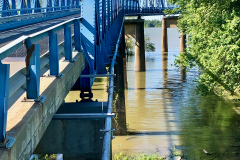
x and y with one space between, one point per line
140 48
164 35
183 42
119 122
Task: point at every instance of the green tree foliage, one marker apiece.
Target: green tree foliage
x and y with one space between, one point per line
129 46
213 42
152 23
149 46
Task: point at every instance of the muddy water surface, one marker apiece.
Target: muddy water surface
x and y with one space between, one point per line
163 110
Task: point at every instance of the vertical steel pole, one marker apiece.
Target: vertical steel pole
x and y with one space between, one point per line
68 4
68 42
53 53
103 18
77 35
14 7
33 70
4 93
49 4
29 6
77 4
63 5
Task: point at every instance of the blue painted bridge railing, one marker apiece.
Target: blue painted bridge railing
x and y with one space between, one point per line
33 63
13 16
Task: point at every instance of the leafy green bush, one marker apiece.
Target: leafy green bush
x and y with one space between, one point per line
152 23
149 47
213 42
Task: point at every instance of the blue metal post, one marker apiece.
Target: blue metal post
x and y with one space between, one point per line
162 5
77 4
68 4
63 5
23 6
77 35
4 93
56 4
37 5
5 7
111 10
33 70
103 18
109 13
127 5
14 7
53 53
68 42
49 4
72 4
29 6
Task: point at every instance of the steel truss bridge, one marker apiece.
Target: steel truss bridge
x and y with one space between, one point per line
93 28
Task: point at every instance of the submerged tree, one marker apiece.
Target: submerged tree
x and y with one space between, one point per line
213 42
149 46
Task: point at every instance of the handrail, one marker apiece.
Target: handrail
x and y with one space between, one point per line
108 122
8 49
27 9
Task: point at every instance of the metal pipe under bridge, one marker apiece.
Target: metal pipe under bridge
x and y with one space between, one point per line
59 46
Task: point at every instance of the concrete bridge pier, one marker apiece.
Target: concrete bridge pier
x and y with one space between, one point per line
164 35
171 22
140 47
135 29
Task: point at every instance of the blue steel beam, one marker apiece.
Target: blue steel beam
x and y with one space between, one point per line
63 5
37 5
5 7
68 42
33 69
4 93
88 41
14 7
53 53
77 35
50 5
56 4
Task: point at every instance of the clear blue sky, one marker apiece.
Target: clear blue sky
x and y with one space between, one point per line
152 17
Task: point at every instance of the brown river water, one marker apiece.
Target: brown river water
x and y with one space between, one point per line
164 110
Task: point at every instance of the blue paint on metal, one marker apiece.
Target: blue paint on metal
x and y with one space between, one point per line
53 53
68 42
63 5
37 5
68 4
77 35
14 7
50 5
29 6
23 6
33 69
4 93
16 24
5 7
56 4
